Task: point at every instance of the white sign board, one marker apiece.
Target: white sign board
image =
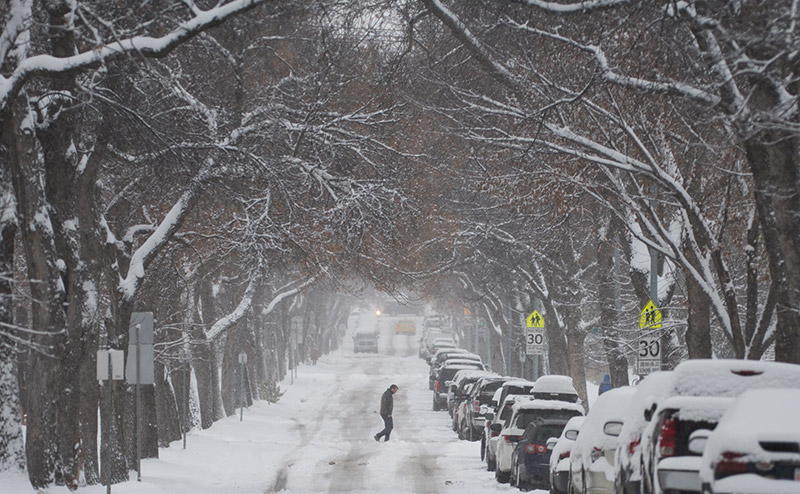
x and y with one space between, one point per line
117 364
649 353
534 341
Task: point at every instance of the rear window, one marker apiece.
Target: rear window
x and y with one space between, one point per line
525 417
545 432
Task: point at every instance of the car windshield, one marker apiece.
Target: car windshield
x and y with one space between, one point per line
546 431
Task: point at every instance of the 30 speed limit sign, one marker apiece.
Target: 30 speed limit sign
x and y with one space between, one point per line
649 353
534 341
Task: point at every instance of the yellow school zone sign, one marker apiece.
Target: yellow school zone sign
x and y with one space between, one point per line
650 317
535 320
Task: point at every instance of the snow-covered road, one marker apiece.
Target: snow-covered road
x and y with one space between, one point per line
318 437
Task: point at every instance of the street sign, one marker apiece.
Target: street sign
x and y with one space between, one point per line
535 320
649 353
534 341
467 312
650 317
117 367
140 335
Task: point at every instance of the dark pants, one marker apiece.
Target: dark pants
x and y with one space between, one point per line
388 425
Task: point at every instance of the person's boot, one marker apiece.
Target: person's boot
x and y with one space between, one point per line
377 437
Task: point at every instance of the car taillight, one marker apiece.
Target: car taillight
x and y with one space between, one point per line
667 437
563 455
509 438
535 448
596 454
437 386
632 445
730 464
476 406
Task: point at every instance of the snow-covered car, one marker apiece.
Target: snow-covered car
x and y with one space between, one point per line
559 456
554 387
515 387
628 456
437 359
495 423
663 439
530 459
479 403
457 390
523 414
591 462
675 420
755 448
444 375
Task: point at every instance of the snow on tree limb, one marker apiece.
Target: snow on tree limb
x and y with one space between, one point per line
45 65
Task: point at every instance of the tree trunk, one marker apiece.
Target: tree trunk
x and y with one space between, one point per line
698 332
617 362
773 159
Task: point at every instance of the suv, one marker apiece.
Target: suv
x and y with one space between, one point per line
365 342
477 406
665 436
523 414
530 461
445 374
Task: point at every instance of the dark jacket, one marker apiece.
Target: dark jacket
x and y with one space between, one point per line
387 402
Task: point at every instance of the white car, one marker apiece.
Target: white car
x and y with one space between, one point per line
591 463
522 414
755 447
628 456
559 456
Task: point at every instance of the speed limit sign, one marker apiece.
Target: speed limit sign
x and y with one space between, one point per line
649 353
534 341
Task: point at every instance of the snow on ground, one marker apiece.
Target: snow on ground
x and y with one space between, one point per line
318 437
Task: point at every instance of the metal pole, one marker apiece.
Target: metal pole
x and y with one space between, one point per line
138 404
107 462
184 392
241 390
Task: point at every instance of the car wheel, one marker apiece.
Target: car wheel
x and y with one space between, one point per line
491 465
502 477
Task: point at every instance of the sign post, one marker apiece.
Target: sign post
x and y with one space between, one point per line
534 339
109 368
649 349
139 369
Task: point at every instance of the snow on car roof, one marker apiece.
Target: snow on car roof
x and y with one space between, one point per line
758 415
723 377
554 384
697 408
547 405
518 382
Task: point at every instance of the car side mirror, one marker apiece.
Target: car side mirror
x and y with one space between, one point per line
698 440
483 410
496 427
551 442
612 428
571 435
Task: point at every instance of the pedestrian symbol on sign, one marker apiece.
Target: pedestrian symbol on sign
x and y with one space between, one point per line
650 317
535 320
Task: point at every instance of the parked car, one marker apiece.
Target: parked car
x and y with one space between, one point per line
365 342
628 457
495 423
755 448
438 359
426 342
515 387
445 374
704 378
478 404
559 456
554 387
457 391
591 462
530 460
521 415
678 417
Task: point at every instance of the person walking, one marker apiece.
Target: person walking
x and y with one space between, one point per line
387 404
